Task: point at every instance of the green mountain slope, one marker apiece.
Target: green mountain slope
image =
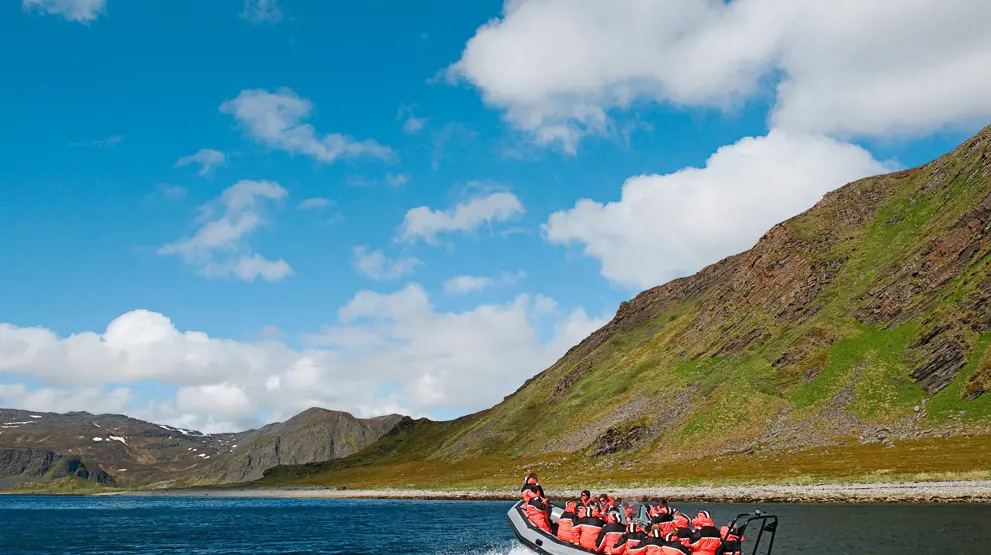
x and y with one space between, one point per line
861 323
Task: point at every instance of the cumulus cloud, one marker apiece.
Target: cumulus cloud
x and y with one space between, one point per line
276 120
426 223
262 11
396 180
83 11
845 66
376 265
459 285
387 352
411 123
219 247
665 226
207 158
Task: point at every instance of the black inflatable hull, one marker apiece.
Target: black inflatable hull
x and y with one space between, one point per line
536 539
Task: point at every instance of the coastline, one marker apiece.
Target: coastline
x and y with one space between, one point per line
971 491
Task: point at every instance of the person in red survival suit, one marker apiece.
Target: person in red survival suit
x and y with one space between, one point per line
673 546
589 528
683 528
666 521
652 543
605 503
531 482
706 538
632 538
732 540
585 499
537 511
566 522
610 533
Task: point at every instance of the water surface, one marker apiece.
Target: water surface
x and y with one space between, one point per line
159 525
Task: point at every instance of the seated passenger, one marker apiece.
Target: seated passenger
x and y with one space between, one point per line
652 543
605 503
566 522
610 533
585 499
705 539
732 540
683 529
629 540
537 511
672 546
589 528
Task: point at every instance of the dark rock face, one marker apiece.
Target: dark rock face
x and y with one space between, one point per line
115 449
615 440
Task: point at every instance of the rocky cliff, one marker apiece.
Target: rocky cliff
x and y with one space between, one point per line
117 450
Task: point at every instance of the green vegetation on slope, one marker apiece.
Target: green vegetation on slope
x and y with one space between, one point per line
846 335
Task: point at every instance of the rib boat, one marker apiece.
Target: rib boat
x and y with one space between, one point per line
758 525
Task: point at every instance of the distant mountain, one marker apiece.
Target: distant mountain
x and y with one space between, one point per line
116 450
864 320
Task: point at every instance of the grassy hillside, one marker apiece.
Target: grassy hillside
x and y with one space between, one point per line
852 340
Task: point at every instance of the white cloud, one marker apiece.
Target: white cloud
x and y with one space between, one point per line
276 120
109 142
315 203
425 223
219 247
411 124
207 158
387 353
459 285
173 192
846 66
82 11
669 225
379 267
262 11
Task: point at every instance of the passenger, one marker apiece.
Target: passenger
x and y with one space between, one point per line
610 533
585 499
652 543
705 539
663 508
683 528
632 538
667 520
627 511
589 528
531 482
537 511
642 548
672 546
566 522
732 540
605 503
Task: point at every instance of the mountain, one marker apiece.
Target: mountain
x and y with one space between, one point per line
115 450
852 338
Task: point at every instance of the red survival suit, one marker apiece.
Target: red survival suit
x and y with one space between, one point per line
673 546
706 540
733 544
609 535
588 528
536 510
630 540
566 522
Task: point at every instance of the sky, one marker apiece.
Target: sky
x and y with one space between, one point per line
218 214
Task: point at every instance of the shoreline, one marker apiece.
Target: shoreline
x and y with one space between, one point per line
971 491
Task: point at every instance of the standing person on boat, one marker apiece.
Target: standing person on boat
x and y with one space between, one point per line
610 533
566 522
631 539
706 539
531 482
589 528
537 510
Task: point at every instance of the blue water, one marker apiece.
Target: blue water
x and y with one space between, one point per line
158 525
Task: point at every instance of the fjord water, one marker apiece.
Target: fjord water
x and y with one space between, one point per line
211 526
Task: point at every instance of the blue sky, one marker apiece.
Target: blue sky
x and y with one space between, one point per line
432 106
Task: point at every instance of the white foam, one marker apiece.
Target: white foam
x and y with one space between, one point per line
97 439
19 423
